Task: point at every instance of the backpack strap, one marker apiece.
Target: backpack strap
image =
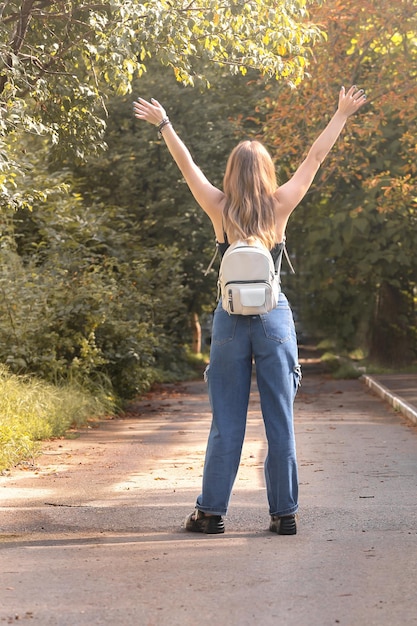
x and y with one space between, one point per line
287 256
210 265
284 248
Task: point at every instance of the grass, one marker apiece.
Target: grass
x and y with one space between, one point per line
371 368
355 363
32 410
339 367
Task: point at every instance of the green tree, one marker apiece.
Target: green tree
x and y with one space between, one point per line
60 60
84 295
113 271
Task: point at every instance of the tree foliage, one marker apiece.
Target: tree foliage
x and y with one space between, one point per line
90 291
60 59
112 271
76 306
355 234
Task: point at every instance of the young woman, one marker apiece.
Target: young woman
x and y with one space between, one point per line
251 206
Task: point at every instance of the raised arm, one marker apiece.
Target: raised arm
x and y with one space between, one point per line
291 193
208 197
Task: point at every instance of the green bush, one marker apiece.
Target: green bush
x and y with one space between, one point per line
75 314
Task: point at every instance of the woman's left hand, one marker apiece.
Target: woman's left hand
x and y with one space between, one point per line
151 112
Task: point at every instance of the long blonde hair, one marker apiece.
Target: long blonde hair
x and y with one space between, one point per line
249 185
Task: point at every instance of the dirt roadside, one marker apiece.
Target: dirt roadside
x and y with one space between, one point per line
92 534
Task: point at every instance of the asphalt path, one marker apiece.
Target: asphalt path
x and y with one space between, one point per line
91 533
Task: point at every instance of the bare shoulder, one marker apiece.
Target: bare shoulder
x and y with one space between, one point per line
290 194
214 209
284 205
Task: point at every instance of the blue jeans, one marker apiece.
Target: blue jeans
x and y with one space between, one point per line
270 341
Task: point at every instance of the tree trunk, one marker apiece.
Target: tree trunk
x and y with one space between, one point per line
391 337
22 25
196 330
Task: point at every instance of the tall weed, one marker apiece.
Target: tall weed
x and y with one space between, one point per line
32 410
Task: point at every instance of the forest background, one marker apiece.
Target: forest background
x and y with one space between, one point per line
102 247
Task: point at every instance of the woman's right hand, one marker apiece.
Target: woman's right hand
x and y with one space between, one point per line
151 112
351 101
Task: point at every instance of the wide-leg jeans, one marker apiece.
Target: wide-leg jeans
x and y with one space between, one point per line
270 342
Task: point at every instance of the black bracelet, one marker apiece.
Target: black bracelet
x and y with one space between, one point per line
161 125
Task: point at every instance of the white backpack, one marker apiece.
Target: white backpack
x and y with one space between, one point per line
248 282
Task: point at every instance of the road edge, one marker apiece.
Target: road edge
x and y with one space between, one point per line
395 401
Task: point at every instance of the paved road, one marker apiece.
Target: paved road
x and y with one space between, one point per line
92 535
